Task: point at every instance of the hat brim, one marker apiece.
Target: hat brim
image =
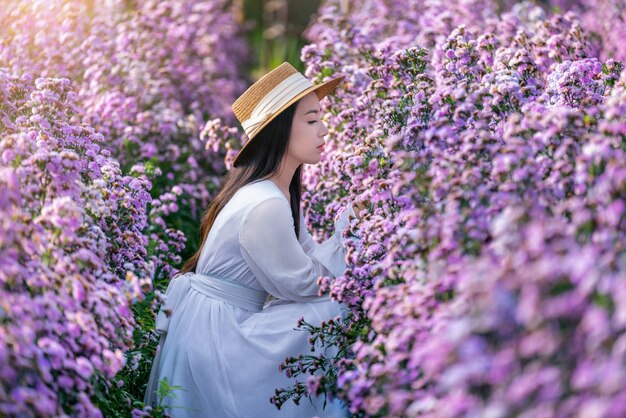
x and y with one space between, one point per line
321 90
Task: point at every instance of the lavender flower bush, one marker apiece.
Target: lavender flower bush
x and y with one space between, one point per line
150 75
105 176
485 280
485 137
73 252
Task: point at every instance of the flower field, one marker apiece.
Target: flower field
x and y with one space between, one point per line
103 177
486 137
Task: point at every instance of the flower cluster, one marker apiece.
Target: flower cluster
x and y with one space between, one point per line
148 76
606 19
73 252
104 184
488 145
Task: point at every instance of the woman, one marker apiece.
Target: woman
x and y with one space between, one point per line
222 342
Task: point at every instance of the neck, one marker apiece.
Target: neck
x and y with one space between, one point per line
284 176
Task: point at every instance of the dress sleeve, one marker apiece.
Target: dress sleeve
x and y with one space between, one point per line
279 261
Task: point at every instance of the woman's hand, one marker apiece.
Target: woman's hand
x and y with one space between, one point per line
358 208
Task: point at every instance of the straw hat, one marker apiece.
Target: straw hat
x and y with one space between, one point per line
271 94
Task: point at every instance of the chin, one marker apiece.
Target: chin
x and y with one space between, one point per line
313 160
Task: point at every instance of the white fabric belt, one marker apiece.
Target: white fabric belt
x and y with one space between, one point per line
229 291
214 287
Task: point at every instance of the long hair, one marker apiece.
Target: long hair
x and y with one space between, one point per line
261 158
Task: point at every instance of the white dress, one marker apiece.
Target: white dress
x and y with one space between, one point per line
222 343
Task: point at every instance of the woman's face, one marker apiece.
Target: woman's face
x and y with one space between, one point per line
307 132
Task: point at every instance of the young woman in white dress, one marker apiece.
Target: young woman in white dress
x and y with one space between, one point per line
232 309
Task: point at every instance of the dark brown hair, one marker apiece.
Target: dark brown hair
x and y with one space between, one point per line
260 159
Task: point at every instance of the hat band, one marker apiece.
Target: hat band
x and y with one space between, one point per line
274 100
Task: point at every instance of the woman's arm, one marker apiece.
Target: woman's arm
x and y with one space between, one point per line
273 253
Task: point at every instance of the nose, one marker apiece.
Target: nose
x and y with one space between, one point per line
324 129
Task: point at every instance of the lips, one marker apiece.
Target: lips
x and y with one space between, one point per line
321 148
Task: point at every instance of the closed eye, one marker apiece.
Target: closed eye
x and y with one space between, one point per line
312 122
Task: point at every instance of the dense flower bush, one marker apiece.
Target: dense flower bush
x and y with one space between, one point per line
485 136
486 279
149 75
73 252
130 174
605 20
